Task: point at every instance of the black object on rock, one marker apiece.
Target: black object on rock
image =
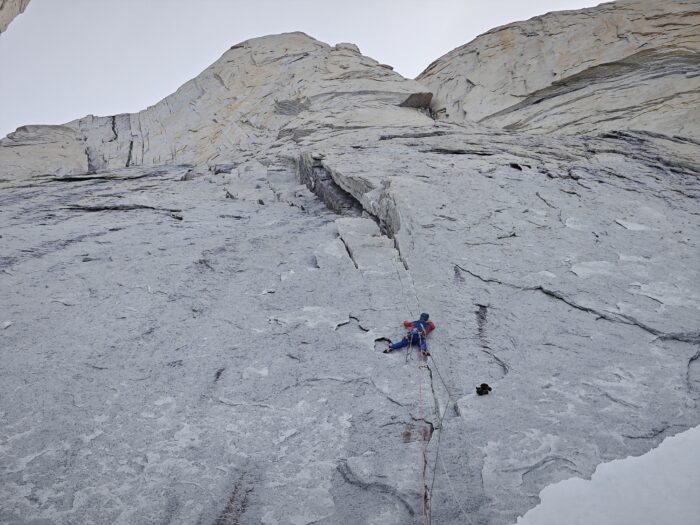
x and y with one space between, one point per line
483 389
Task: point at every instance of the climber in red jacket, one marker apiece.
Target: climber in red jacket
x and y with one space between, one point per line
417 332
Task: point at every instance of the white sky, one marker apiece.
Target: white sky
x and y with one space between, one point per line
63 59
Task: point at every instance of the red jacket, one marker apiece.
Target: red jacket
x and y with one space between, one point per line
420 326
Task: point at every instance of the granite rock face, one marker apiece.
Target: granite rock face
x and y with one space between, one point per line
9 9
195 299
257 91
629 64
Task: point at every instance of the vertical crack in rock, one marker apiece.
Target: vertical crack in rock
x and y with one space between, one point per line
91 166
693 373
436 404
481 316
349 252
397 247
481 320
427 429
459 278
320 181
131 150
114 129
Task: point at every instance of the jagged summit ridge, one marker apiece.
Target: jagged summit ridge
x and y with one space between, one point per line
630 64
258 91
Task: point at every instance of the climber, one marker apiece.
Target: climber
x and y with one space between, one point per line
417 332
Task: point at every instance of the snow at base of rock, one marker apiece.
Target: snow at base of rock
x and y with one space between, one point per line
662 486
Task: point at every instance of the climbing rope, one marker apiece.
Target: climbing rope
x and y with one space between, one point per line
440 376
454 494
409 350
425 513
437 448
403 290
426 507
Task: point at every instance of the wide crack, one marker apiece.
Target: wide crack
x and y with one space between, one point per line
312 173
319 179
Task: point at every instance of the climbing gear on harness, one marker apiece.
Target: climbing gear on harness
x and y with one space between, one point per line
415 336
483 389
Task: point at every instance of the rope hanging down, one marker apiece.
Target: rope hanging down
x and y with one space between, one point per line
425 504
437 449
426 494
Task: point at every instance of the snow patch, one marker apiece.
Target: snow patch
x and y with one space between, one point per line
658 487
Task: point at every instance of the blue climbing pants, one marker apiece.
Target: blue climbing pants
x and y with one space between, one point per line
411 339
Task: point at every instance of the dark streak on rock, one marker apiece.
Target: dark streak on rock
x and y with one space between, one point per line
544 463
481 320
373 486
205 263
484 279
692 366
349 252
685 337
131 150
317 178
99 176
449 151
114 129
413 135
237 503
692 337
236 217
544 200
654 432
117 207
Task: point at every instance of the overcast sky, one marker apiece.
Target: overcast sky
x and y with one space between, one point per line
63 59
